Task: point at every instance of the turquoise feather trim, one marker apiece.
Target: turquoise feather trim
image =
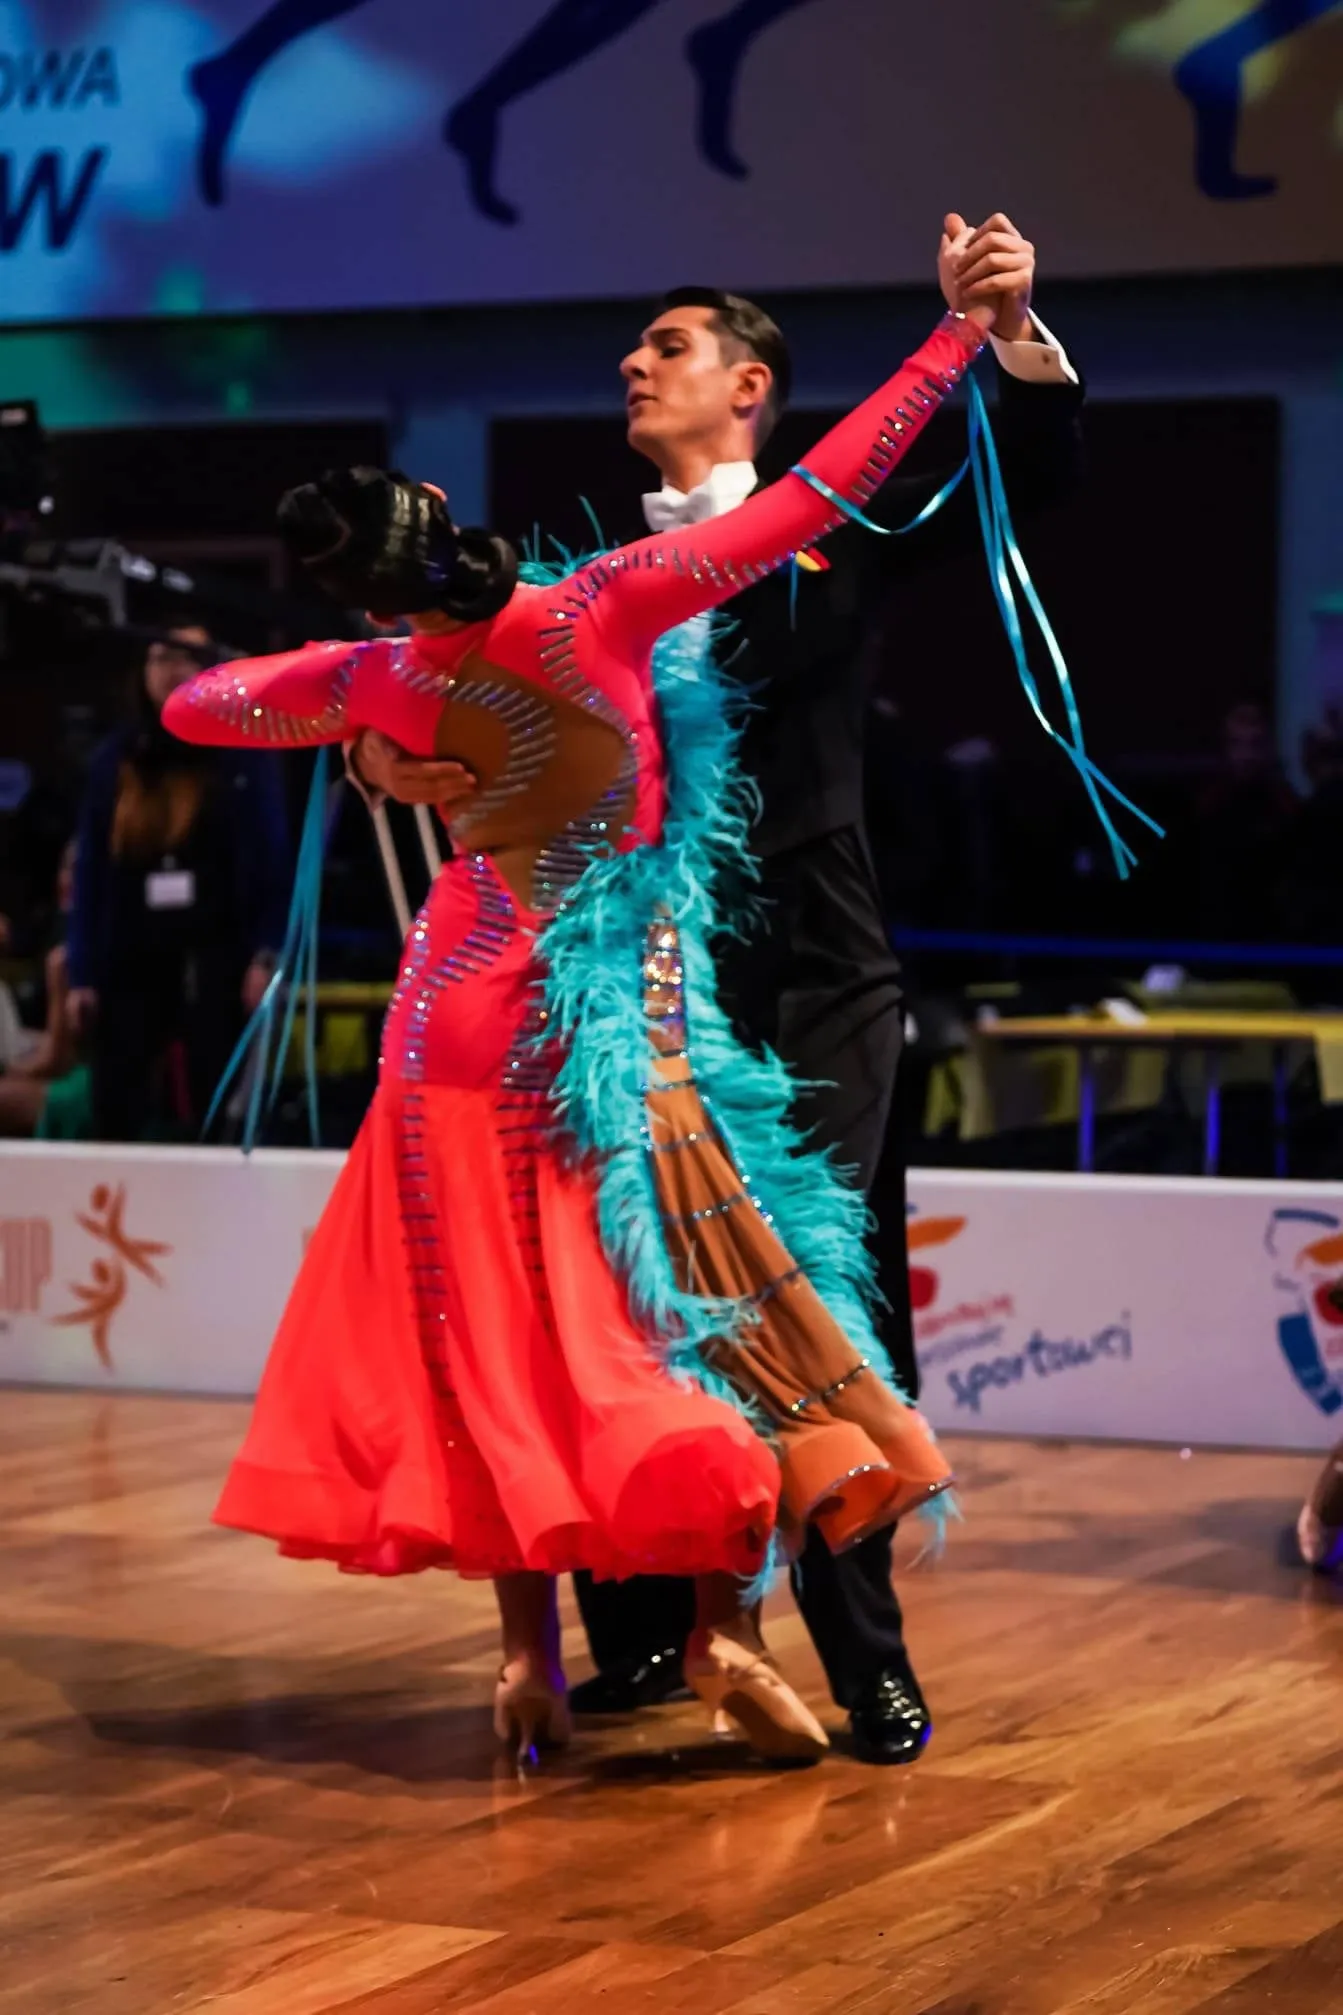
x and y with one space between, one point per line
593 954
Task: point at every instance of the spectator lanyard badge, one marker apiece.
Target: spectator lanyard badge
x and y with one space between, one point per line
170 888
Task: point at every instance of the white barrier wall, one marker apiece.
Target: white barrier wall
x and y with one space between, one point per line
1146 1309
150 1266
1141 1308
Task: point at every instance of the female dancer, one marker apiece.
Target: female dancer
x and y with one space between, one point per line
578 1299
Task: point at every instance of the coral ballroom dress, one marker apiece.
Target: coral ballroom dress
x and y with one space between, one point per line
548 1320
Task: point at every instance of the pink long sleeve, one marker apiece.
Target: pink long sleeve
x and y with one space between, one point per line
608 614
650 586
321 693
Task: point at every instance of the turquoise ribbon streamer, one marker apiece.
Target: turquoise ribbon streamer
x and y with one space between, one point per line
295 973
1003 552
1006 560
930 509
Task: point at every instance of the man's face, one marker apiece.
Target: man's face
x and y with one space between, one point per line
679 386
170 664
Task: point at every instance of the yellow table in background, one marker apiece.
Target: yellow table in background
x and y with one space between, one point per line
1207 1034
345 1046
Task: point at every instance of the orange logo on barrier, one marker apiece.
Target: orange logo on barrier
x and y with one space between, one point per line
101 1296
922 1232
932 1318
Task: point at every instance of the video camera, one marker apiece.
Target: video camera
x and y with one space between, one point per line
87 585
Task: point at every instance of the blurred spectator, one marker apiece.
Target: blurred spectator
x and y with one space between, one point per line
46 1091
980 794
32 839
1315 893
1243 834
179 905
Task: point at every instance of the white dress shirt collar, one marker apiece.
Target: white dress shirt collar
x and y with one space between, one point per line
726 485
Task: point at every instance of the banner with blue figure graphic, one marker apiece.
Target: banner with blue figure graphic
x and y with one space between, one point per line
1306 1247
1202 1313
158 157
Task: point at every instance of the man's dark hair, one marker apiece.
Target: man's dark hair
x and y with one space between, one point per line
744 329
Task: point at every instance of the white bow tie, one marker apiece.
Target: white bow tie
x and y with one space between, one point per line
726 486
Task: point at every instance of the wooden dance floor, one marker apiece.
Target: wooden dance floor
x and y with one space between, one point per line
236 1784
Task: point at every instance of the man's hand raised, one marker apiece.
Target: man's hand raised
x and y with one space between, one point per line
991 263
383 765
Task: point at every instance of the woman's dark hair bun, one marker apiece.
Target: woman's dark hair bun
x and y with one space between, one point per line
484 576
372 539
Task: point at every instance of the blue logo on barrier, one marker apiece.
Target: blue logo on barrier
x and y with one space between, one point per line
1310 1332
1043 1357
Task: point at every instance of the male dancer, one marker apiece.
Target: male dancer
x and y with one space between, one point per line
817 982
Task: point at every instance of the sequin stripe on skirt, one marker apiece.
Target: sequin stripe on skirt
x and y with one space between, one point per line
427 969
853 1456
482 1541
424 1258
525 1123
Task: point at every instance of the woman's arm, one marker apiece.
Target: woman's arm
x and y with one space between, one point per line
646 588
324 693
295 699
